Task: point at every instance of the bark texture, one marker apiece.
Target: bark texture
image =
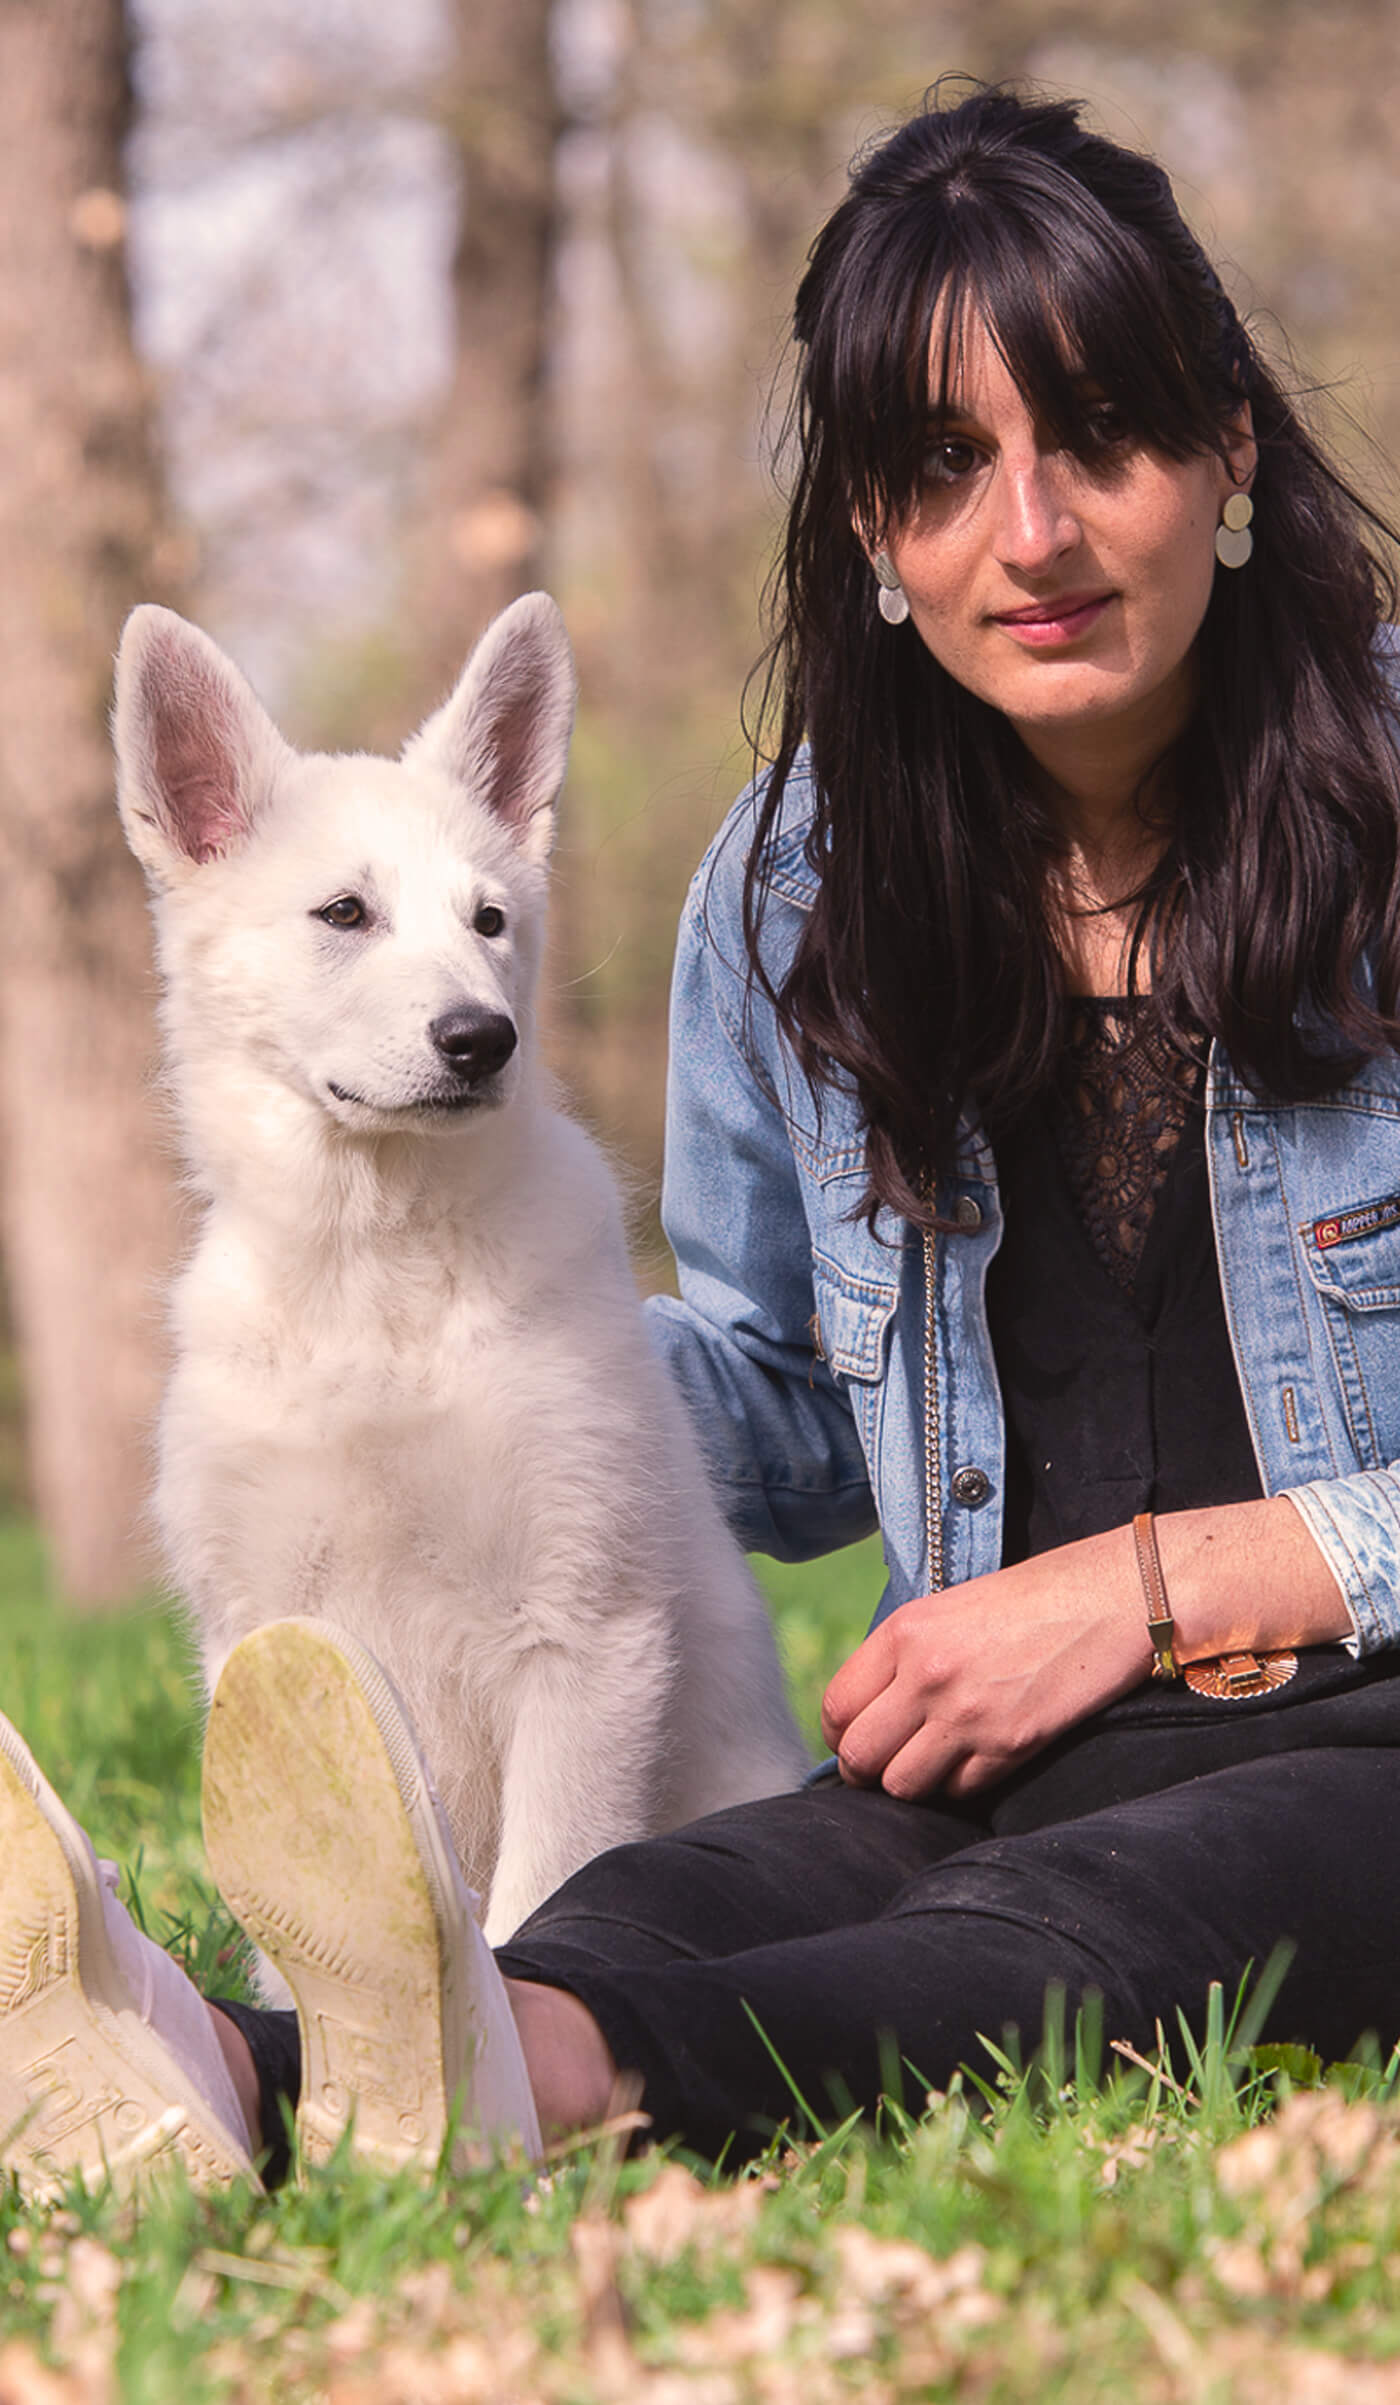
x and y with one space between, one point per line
85 1181
491 466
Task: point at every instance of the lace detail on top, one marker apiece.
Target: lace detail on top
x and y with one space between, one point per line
1121 1103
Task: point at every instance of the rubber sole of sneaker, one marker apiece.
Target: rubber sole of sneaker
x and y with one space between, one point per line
85 2085
328 1845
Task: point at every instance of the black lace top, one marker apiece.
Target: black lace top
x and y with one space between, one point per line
1107 1323
1124 1098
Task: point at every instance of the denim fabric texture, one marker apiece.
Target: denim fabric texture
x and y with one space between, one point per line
799 1336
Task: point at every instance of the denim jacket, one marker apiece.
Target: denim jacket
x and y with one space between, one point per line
842 1377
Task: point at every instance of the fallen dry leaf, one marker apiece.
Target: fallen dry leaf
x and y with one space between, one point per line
353 2332
501 2369
24 2380
83 2332
1253 2375
883 2270
1281 2174
1239 2267
759 2327
678 2211
1313 2140
1134 2149
430 2296
597 2246
850 2334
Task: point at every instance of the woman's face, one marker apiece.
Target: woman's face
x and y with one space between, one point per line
1066 594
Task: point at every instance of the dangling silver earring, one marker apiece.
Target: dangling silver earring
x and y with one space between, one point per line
894 601
1234 543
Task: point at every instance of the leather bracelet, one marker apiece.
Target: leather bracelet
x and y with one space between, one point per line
1161 1627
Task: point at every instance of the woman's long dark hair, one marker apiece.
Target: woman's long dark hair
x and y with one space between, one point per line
928 973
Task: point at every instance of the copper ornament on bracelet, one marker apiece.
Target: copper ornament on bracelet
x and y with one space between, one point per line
1230 1677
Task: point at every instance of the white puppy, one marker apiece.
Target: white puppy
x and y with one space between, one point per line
412 1391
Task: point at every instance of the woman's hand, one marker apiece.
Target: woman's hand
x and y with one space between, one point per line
953 1690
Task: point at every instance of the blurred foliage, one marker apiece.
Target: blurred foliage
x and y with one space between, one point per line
111 1707
1080 2222
14 1474
301 180
698 145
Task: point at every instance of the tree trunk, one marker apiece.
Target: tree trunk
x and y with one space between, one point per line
491 467
85 1185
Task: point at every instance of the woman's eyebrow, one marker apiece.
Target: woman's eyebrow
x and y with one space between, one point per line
955 410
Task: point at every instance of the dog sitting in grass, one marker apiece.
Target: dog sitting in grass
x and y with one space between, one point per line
412 1391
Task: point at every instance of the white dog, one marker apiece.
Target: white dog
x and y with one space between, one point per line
413 1392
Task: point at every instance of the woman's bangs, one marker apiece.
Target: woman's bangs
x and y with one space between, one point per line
1075 305
875 409
1081 324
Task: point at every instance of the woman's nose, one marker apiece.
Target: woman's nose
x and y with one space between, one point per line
1038 523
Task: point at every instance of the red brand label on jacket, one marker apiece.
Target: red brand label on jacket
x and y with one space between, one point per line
1363 1221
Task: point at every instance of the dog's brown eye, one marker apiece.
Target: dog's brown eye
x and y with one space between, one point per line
489 920
347 910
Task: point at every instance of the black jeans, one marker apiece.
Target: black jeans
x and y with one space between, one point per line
1169 1842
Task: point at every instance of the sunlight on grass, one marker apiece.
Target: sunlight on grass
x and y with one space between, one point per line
110 1706
1121 2240
822 1610
109 1702
1085 2227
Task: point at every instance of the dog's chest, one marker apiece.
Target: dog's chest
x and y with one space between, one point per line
377 1356
388 1427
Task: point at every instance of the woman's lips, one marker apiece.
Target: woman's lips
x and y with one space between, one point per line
1059 621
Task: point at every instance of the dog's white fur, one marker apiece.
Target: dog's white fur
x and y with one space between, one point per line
412 1389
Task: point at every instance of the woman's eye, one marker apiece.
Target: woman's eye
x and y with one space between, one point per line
1106 425
347 910
948 461
489 920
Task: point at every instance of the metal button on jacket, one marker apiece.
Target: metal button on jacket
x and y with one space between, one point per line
968 1214
971 1487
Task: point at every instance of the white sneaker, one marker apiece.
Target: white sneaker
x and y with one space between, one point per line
329 1844
109 2064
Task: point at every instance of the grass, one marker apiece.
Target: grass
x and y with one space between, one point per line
1055 2232
822 1610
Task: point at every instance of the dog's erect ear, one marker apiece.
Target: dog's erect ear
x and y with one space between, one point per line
196 750
503 734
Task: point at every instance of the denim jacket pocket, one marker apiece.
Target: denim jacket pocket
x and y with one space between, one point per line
1353 1258
854 1316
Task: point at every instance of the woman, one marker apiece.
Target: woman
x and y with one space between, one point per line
1031 1171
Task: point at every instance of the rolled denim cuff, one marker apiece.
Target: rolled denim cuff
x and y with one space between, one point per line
1355 1523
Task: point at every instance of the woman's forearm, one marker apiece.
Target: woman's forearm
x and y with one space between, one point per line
1247 1574
954 1689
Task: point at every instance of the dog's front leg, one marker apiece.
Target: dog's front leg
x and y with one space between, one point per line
581 1770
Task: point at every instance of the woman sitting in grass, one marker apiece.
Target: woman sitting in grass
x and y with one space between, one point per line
1034 1179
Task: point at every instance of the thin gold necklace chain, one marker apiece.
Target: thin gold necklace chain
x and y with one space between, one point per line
933 1433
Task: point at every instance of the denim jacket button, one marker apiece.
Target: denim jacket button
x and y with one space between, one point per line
968 1214
971 1486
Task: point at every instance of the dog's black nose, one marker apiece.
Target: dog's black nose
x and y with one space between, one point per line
474 1043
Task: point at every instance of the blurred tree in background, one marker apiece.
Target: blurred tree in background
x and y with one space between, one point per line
85 1183
451 298
488 463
